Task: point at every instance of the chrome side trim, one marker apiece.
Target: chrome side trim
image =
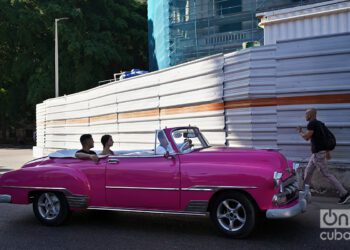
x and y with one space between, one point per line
5 198
44 188
147 211
135 156
215 188
143 188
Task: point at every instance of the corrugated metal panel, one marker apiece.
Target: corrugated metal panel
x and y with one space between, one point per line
325 18
251 127
137 95
201 78
250 74
54 111
40 125
198 83
138 103
335 116
313 66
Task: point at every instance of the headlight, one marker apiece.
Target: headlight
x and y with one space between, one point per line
277 178
296 166
279 199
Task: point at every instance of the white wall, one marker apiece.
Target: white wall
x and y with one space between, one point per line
252 98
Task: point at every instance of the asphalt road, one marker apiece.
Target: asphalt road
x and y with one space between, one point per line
116 230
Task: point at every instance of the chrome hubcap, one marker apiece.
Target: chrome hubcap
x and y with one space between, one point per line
231 215
49 206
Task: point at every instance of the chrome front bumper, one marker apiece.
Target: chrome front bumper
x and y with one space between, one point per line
5 198
300 207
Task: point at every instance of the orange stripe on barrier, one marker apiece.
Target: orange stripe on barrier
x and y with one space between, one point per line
77 121
314 99
251 103
262 102
190 109
292 100
104 118
55 122
152 112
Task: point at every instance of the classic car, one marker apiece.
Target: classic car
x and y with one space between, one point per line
186 177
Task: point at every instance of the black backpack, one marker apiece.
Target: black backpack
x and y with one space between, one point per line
329 138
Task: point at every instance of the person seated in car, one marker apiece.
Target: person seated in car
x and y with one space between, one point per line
87 143
107 142
164 145
186 146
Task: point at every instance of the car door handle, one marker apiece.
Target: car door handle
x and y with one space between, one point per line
113 161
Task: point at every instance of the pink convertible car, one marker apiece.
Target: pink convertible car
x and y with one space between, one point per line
181 175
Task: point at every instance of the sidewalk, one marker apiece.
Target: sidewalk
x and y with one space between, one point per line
14 158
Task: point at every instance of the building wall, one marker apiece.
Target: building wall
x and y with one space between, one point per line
158 34
185 30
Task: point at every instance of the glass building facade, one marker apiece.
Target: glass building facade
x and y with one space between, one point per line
184 30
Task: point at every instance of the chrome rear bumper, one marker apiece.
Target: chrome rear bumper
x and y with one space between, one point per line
300 207
5 198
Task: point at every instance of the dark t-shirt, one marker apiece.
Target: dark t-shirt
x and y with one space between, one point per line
318 138
90 152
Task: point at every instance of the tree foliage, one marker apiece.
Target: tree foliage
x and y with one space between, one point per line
100 38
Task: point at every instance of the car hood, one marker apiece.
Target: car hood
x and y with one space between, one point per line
270 159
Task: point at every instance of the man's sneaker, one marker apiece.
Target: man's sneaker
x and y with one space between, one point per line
344 198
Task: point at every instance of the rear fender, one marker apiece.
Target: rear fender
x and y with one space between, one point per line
22 183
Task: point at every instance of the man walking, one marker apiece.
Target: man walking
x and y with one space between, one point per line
320 155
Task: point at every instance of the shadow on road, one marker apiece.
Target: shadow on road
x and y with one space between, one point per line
180 225
93 229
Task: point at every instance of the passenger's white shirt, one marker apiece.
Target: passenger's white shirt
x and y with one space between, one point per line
160 150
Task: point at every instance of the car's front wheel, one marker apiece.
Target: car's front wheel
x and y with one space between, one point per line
233 214
50 208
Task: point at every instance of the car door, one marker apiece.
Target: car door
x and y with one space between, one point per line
143 182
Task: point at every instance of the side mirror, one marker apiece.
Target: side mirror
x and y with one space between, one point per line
168 156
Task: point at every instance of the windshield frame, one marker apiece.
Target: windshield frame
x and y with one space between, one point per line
202 139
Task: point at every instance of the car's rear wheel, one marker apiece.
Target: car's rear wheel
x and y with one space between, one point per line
233 214
50 208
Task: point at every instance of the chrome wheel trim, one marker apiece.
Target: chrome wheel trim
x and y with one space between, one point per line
49 206
231 215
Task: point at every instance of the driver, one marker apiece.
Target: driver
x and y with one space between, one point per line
186 146
164 145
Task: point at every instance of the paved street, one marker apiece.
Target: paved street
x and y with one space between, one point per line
115 230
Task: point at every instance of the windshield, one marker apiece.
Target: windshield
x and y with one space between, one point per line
189 139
